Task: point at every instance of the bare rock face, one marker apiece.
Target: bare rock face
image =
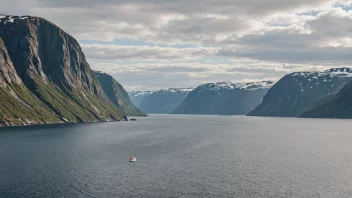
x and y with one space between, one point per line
49 63
18 106
8 73
39 49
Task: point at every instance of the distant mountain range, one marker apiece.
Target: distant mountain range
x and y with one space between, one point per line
138 96
224 98
163 101
45 78
299 92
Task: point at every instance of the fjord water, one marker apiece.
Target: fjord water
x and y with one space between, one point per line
179 156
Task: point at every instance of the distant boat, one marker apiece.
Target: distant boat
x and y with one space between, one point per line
125 118
133 159
133 119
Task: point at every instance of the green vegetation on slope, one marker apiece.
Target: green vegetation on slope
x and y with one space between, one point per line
76 105
20 107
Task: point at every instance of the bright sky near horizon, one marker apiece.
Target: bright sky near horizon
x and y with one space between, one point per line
153 44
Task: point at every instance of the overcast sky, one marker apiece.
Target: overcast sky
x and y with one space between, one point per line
153 44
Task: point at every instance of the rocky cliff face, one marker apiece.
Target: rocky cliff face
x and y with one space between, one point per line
8 73
117 94
300 91
164 101
18 106
50 65
224 98
338 106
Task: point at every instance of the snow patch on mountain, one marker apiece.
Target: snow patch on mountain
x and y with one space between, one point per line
313 79
334 72
175 90
139 93
10 19
161 91
237 86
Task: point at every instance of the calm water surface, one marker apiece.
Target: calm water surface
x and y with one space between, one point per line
180 156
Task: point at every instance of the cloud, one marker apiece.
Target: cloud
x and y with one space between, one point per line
323 40
178 69
145 53
158 21
153 76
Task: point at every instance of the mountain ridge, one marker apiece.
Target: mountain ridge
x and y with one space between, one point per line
224 98
299 91
163 101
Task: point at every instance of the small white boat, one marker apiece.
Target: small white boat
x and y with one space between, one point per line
133 159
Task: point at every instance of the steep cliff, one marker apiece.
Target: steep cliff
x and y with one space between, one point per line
18 106
117 94
51 65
